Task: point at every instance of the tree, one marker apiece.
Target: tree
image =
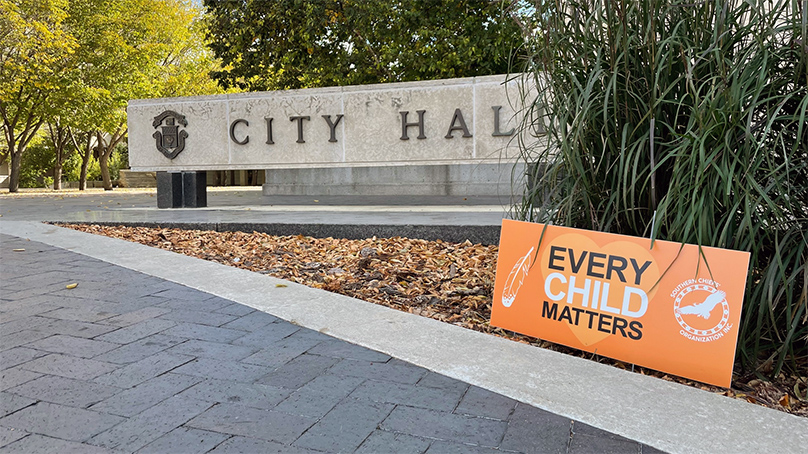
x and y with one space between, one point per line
35 53
129 49
301 43
59 136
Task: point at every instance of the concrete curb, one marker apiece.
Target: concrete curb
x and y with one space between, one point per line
661 414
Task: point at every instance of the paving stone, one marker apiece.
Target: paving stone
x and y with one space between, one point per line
139 350
65 391
410 395
203 332
82 314
248 394
268 334
281 352
239 310
310 334
381 441
59 421
533 430
319 396
140 315
22 312
481 402
33 292
80 309
20 338
41 444
18 355
223 370
145 395
242 445
186 441
29 305
252 422
379 371
148 426
446 447
179 292
9 435
215 350
299 371
137 331
579 428
252 321
198 317
138 372
203 303
588 444
25 322
345 427
69 366
14 376
445 426
9 403
434 380
74 328
74 346
341 349
43 278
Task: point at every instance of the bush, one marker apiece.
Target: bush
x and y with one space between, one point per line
693 114
37 161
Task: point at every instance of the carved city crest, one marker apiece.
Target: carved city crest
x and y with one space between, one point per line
171 141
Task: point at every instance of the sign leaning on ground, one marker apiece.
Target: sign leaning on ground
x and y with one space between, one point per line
671 308
455 121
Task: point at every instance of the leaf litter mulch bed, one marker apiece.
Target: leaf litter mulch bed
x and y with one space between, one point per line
450 282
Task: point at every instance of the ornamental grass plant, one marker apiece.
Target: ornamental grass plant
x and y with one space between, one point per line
684 121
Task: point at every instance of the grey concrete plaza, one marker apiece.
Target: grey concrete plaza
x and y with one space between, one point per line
161 353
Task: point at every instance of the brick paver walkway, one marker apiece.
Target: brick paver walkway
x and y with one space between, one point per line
126 362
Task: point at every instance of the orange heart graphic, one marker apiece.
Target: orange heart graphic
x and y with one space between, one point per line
579 273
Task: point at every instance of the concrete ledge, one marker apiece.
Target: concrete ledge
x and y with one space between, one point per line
664 415
427 180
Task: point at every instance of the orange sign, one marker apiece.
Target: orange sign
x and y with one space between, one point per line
672 308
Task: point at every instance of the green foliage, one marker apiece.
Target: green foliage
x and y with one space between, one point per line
72 168
118 160
37 162
693 114
302 43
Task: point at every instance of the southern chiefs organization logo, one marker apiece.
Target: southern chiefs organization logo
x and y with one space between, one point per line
170 141
701 310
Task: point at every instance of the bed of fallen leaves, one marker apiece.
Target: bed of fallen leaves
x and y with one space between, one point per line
450 282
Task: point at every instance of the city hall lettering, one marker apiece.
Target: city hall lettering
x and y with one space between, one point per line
456 121
457 124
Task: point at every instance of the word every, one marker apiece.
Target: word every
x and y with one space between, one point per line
457 123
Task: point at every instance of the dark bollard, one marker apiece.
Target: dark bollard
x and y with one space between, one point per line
194 189
169 190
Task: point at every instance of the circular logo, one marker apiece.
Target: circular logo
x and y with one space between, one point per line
702 311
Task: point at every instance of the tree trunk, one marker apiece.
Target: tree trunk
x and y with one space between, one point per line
85 163
103 162
14 174
57 175
60 138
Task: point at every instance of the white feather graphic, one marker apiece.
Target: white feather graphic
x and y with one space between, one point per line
515 279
